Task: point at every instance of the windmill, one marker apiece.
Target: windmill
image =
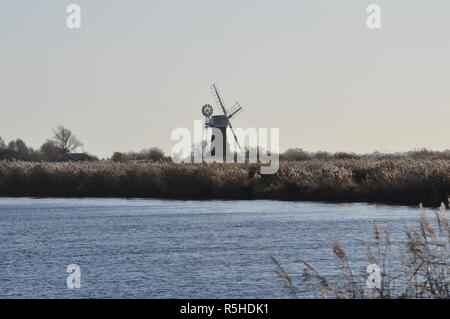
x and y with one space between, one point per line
221 122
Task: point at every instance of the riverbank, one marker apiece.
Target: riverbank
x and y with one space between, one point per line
402 181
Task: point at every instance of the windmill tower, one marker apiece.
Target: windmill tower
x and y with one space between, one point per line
221 122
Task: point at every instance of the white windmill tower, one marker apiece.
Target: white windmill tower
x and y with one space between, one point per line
221 122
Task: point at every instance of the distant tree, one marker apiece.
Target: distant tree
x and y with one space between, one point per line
17 149
153 154
119 157
3 150
65 139
421 153
295 154
322 155
22 148
2 144
50 152
156 154
345 155
12 146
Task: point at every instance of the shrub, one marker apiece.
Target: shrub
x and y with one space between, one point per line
119 157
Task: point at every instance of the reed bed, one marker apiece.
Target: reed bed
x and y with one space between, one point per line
396 181
423 256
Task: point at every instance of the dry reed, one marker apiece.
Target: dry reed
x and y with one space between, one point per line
398 181
423 256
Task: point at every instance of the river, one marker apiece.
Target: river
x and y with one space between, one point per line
177 249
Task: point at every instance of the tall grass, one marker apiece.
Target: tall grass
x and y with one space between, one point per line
398 181
424 258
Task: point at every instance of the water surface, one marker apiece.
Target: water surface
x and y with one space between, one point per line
176 249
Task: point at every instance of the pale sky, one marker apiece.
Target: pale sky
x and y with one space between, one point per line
137 69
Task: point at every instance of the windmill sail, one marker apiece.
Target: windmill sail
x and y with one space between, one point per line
219 99
235 137
234 110
227 113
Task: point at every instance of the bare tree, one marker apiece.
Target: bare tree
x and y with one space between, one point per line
65 139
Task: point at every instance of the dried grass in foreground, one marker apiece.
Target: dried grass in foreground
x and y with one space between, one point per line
423 271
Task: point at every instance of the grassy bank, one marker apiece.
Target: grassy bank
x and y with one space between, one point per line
396 181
